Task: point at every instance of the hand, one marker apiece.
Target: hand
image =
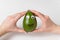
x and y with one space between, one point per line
9 25
47 24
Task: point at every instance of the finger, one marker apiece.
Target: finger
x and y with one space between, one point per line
40 15
18 15
38 30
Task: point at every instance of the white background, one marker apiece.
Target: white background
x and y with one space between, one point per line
48 7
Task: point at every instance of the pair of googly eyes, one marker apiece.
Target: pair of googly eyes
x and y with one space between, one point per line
29 16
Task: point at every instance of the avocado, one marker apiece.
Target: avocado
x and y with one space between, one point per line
29 22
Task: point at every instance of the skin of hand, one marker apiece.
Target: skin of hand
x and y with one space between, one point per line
47 24
9 24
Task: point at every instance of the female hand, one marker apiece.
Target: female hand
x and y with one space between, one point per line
47 24
9 24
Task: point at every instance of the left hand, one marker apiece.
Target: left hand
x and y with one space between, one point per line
9 25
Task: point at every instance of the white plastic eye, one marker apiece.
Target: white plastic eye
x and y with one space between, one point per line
27 17
32 17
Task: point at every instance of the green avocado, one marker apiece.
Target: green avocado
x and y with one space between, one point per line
29 22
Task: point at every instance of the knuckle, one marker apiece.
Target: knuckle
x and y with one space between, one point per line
47 17
10 17
12 20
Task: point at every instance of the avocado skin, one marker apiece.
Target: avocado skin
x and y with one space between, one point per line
29 22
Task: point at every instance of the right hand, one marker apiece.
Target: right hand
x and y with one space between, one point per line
47 24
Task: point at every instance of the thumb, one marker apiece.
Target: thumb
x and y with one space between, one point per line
38 30
18 30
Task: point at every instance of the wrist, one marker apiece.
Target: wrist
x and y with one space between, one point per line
56 29
2 31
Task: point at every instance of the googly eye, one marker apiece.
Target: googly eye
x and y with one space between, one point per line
27 17
32 17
